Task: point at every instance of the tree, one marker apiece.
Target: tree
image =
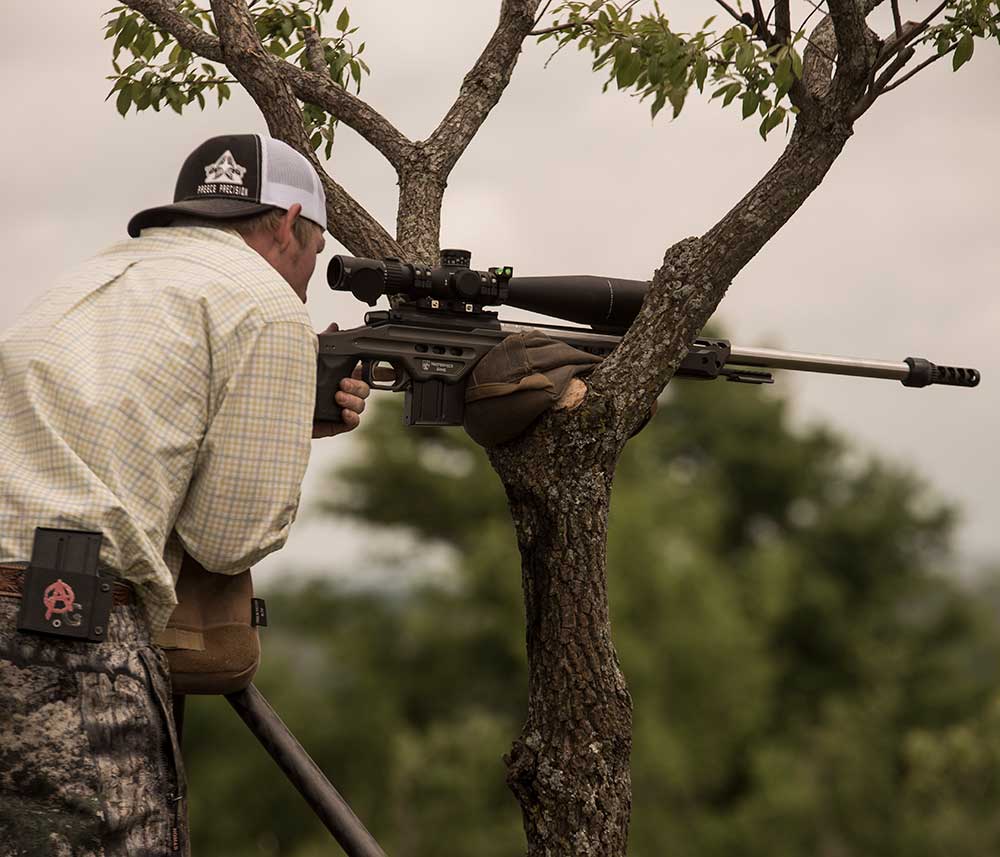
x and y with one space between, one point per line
569 769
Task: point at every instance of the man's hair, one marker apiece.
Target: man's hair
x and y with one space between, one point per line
303 228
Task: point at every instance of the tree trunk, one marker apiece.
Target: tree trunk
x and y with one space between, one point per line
418 220
569 769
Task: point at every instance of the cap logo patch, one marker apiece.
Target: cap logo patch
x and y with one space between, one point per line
224 176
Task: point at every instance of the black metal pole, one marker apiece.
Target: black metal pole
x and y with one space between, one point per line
304 773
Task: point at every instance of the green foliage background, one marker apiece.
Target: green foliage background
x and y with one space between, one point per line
808 677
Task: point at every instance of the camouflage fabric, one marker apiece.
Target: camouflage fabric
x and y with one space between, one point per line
90 764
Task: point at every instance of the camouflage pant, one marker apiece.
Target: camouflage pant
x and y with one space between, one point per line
90 764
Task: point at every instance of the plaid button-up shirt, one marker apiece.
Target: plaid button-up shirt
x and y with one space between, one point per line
163 395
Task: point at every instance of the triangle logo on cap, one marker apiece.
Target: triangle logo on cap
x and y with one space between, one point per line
225 170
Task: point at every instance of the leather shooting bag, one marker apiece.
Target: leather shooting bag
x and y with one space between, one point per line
211 640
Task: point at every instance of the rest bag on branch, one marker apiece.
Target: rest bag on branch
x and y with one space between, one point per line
517 382
211 640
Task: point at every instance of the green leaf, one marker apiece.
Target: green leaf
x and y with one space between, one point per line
701 71
125 36
750 103
783 75
629 70
123 102
771 122
963 53
744 57
658 102
731 92
677 97
796 64
343 20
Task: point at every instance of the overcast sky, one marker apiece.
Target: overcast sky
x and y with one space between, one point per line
895 255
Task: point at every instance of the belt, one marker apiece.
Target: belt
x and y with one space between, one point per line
12 586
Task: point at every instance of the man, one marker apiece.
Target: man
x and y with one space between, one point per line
157 403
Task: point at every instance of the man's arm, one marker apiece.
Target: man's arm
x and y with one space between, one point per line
244 493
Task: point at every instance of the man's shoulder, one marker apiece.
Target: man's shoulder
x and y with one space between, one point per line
211 266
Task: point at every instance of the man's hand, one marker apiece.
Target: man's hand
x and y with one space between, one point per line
351 397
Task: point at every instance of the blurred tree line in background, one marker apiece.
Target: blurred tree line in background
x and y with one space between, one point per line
808 674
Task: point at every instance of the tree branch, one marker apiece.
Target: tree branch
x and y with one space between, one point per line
852 38
313 87
918 68
745 18
695 275
760 23
907 33
314 51
245 57
897 20
188 35
878 86
559 28
782 21
482 86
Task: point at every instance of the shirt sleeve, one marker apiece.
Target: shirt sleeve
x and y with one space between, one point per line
247 478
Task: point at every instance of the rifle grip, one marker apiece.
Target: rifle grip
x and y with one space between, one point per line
330 371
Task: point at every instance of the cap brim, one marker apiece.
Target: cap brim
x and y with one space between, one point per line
213 209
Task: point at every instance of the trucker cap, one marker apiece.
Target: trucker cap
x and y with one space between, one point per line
239 175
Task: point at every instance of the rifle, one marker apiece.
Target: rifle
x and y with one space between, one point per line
439 329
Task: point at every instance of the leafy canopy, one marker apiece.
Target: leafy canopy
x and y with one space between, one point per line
155 77
643 55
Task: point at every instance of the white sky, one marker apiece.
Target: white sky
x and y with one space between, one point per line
895 255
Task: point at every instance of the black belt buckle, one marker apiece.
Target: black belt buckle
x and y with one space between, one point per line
64 595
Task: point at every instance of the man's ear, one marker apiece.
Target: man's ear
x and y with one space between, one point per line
286 232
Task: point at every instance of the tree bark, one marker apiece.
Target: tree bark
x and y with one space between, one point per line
569 769
418 218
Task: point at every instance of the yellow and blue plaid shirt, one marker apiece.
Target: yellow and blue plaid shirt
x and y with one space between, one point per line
163 395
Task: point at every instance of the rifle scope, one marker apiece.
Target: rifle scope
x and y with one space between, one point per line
605 303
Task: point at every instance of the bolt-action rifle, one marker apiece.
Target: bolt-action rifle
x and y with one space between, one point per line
439 329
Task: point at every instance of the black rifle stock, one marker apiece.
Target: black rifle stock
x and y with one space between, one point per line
438 331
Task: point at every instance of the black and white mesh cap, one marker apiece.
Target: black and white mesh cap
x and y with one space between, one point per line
239 175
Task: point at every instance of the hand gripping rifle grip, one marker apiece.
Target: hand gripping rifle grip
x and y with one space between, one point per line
923 373
331 369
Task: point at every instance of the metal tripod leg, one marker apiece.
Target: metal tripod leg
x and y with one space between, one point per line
304 773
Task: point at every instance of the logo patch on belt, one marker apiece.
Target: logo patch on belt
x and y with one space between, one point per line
59 598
